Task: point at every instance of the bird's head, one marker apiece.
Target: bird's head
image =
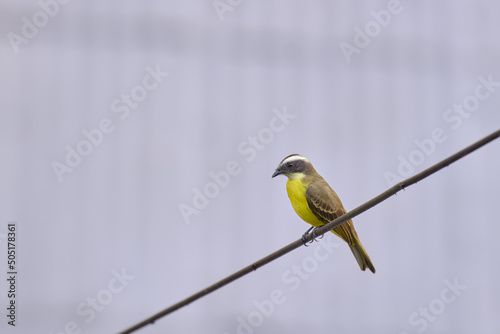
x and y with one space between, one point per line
294 167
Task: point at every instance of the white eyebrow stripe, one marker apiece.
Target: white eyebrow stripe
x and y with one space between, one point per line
293 158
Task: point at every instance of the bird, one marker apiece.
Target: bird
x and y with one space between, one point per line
317 203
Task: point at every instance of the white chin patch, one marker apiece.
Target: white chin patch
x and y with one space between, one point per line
295 176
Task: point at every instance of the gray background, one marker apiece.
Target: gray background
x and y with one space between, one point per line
119 209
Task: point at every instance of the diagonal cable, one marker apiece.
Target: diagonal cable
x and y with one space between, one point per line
319 231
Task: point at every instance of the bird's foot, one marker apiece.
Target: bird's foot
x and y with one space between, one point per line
305 235
304 242
314 235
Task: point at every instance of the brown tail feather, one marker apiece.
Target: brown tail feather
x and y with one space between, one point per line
347 232
361 256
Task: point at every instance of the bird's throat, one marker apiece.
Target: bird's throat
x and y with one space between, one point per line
296 189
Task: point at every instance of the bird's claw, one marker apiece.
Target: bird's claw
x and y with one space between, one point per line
305 235
304 239
313 236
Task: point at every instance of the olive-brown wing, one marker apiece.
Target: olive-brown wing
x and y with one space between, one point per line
326 206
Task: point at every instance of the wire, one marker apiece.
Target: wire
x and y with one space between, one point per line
319 231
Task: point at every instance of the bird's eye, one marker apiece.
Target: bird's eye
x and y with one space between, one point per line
290 164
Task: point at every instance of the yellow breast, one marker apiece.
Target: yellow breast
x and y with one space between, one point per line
296 190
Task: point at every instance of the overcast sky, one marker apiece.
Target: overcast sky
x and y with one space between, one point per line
138 140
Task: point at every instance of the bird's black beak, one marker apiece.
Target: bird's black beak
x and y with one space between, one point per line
276 173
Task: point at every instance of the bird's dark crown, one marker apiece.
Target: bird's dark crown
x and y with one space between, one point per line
294 163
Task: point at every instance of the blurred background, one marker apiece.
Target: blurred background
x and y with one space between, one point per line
138 139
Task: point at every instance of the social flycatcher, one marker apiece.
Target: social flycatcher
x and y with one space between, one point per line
317 204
